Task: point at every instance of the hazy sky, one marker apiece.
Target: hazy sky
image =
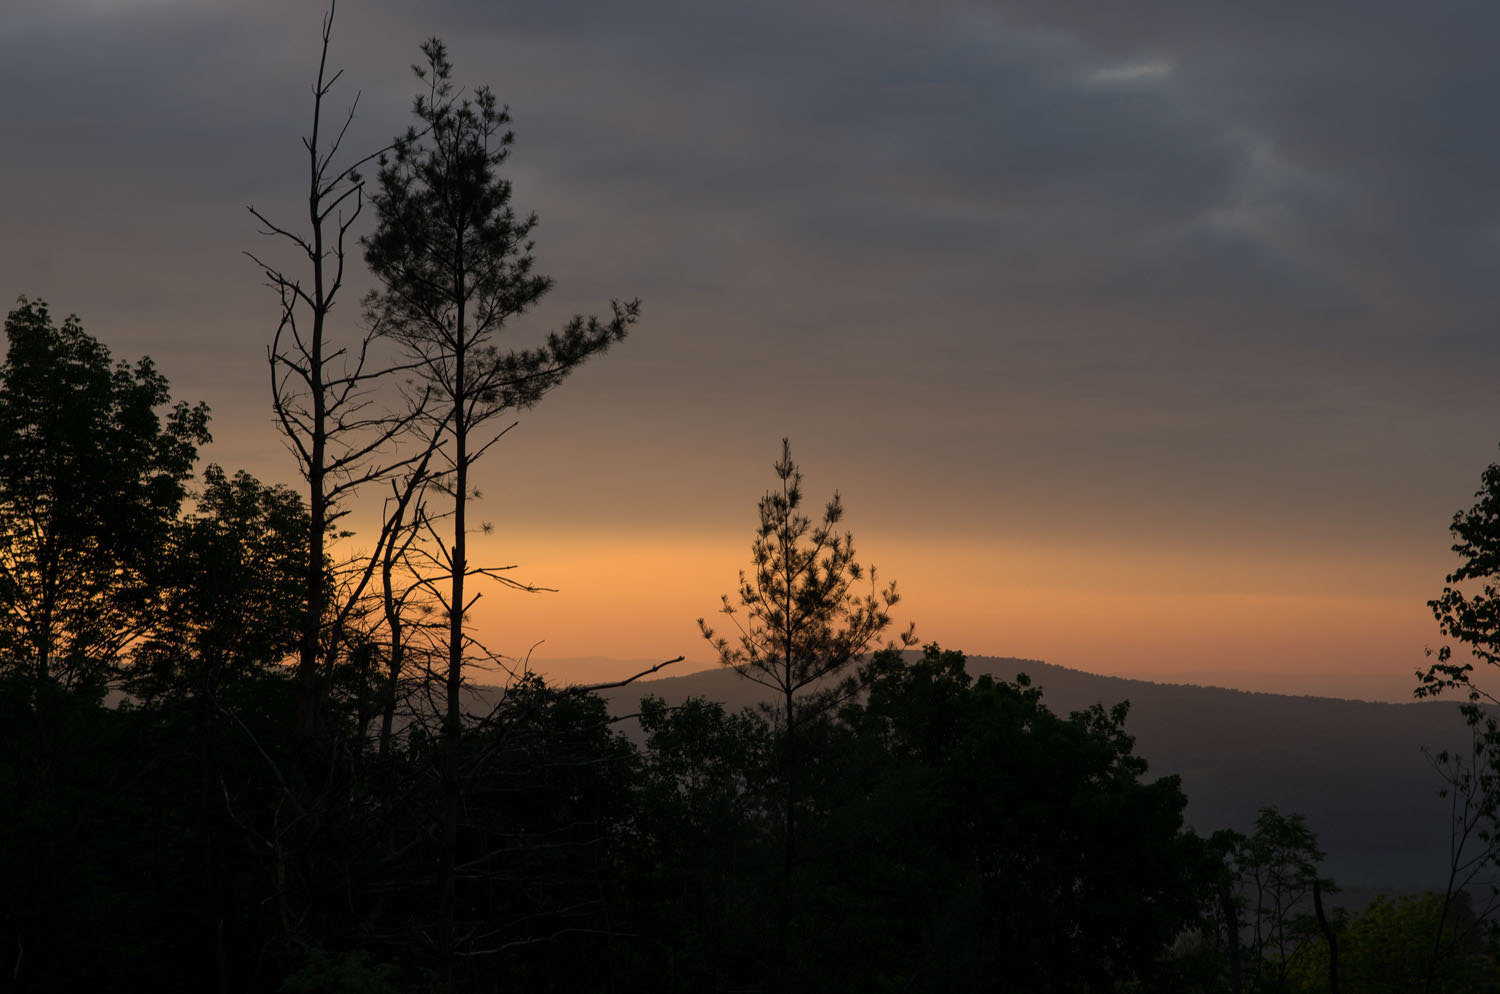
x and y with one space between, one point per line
1148 339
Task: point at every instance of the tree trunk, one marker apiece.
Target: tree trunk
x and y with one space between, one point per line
213 896
453 718
1328 934
310 691
1232 936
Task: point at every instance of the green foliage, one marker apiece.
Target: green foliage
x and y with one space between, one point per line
1277 866
545 819
91 478
1387 949
356 972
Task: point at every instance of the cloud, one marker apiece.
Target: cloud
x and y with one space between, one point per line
1160 224
1128 73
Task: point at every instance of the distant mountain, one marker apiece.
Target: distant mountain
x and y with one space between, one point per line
1355 769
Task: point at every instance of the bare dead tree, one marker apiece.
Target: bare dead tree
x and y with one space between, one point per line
393 780
404 599
333 401
351 424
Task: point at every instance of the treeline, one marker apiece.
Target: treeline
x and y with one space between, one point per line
236 755
907 828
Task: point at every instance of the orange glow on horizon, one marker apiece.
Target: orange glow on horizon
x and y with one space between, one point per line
636 599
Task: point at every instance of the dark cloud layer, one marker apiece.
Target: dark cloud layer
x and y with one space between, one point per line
1231 264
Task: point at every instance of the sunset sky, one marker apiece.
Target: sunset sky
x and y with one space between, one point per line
1157 339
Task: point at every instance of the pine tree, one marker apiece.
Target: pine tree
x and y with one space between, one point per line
802 620
454 261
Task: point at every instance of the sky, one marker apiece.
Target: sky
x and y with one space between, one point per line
1155 340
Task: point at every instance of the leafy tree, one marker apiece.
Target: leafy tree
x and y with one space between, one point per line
1277 865
355 972
1387 949
88 843
197 605
454 262
978 841
960 837
235 590
546 819
1471 894
92 474
209 675
547 809
701 876
1467 615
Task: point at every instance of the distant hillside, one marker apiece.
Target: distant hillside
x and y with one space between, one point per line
1354 768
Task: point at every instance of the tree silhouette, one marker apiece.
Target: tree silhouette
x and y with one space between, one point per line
91 478
1386 949
454 262
1279 888
233 601
804 622
233 587
1468 612
1471 891
978 841
348 422
1464 614
335 403
957 836
804 619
